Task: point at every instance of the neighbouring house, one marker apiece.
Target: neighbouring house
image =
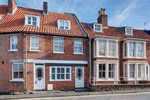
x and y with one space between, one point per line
119 55
41 50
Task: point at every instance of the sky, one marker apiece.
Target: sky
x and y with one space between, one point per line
133 13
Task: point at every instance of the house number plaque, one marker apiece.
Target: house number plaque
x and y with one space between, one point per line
29 73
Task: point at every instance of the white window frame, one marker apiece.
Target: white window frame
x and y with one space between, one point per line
35 49
132 71
135 49
111 71
105 48
112 48
140 50
17 79
61 52
69 23
78 46
37 19
134 53
94 27
64 73
126 31
12 43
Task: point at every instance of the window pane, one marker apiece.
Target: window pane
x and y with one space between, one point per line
15 70
53 76
68 76
62 76
68 70
102 46
29 18
66 25
34 23
58 76
58 45
53 70
14 46
58 70
62 70
147 70
34 19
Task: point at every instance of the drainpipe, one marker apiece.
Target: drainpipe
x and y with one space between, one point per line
26 59
89 43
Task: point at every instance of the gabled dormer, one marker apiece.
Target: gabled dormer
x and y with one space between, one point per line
126 30
32 20
97 27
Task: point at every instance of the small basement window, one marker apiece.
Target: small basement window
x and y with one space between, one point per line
63 24
128 30
32 20
97 27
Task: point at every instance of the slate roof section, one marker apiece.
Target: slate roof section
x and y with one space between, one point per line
12 23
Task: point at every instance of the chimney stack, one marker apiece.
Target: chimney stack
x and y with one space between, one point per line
102 17
12 7
45 8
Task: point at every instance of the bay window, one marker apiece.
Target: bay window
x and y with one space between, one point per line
60 73
102 48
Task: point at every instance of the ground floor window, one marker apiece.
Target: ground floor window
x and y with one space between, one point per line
60 73
17 71
132 70
111 70
140 71
102 71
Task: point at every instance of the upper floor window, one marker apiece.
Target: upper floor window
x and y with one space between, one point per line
128 30
14 43
112 48
58 45
34 43
78 46
97 27
132 49
140 49
63 24
17 71
102 48
32 20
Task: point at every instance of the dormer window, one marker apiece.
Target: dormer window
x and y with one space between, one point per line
32 20
97 27
128 30
63 24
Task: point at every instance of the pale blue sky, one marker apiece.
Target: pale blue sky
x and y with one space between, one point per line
132 13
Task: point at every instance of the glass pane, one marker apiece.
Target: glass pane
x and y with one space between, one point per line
34 19
39 72
15 74
68 70
29 22
58 70
15 67
34 23
66 25
67 76
58 76
20 67
53 70
53 76
62 70
14 46
100 66
147 70
20 74
29 18
62 76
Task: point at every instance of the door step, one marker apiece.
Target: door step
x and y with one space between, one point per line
81 90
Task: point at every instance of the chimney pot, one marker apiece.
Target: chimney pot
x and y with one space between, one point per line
45 8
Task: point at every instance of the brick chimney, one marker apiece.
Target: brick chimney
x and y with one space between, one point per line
102 17
12 7
45 8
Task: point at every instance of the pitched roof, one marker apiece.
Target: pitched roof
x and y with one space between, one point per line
12 23
114 32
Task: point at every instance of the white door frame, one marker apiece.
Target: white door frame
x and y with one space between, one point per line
44 73
76 75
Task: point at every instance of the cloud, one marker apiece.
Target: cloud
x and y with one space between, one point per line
119 18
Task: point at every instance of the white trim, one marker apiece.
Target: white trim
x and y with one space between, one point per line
38 41
53 80
17 80
57 61
37 22
16 60
34 50
58 24
15 50
78 53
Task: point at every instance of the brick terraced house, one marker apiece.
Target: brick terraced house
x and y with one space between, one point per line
41 50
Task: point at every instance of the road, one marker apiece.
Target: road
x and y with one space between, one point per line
131 96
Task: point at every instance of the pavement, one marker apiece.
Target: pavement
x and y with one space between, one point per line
70 93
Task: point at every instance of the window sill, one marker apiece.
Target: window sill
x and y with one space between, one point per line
59 80
15 80
12 50
34 50
104 57
133 58
78 53
59 52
